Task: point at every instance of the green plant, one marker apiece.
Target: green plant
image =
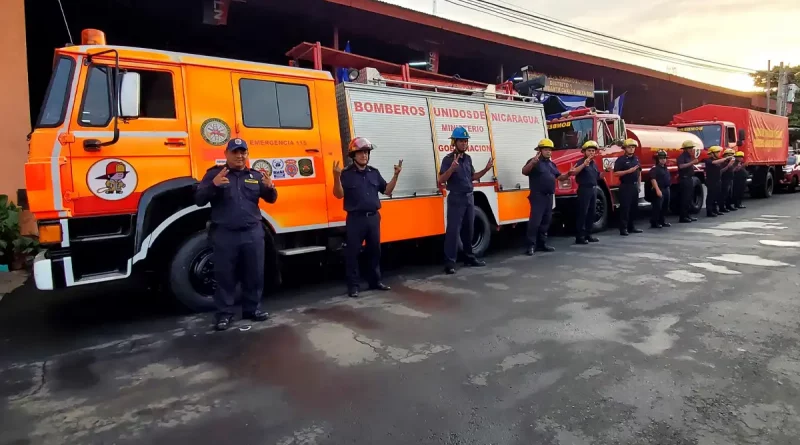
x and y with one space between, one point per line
12 243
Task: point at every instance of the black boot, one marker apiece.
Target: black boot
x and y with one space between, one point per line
592 239
581 240
257 315
223 321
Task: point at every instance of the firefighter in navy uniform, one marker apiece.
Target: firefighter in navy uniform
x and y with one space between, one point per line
714 165
739 180
586 175
542 174
660 181
359 185
686 162
236 232
629 172
457 172
727 182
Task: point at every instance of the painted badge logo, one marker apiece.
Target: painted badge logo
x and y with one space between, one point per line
215 131
697 152
306 167
263 167
112 179
291 167
278 171
609 162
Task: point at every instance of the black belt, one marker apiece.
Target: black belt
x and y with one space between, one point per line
367 214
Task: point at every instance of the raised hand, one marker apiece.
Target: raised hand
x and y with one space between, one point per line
490 163
221 177
398 168
267 181
337 168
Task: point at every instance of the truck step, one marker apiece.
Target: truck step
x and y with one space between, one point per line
301 250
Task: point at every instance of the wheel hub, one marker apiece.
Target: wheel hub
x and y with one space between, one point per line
201 273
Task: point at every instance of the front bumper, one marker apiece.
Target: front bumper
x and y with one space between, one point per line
43 272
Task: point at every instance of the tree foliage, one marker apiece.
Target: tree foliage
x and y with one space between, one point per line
760 81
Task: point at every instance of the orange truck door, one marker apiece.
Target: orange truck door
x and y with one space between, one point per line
277 118
151 148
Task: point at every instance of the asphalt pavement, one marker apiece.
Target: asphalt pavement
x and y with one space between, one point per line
684 335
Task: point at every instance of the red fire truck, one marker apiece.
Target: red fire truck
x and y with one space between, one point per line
763 137
574 128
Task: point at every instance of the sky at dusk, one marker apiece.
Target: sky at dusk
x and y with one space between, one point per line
743 33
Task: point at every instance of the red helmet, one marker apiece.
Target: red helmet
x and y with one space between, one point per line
359 144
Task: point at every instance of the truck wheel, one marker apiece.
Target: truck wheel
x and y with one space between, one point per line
793 185
191 274
601 210
481 233
697 196
768 187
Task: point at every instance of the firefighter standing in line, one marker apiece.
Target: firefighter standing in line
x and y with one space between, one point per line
542 174
713 168
686 162
586 175
457 172
359 185
739 180
660 180
236 232
628 169
727 183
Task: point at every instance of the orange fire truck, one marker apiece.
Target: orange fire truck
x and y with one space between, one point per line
124 133
570 131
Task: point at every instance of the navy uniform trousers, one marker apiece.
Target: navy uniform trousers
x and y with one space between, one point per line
628 204
363 227
726 201
713 190
541 216
587 201
238 258
460 224
739 187
660 206
687 190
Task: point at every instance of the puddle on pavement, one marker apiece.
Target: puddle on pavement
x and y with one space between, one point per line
425 300
278 356
344 315
74 372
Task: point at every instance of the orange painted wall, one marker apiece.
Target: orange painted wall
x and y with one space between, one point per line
15 104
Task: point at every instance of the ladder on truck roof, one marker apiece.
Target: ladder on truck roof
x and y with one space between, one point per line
379 72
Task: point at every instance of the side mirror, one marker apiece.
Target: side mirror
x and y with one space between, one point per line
129 95
742 136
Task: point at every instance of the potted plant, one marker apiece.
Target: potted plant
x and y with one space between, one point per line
15 249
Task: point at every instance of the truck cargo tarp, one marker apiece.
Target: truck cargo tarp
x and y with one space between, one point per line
554 104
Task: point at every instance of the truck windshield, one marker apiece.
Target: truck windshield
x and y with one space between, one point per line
570 134
710 134
55 100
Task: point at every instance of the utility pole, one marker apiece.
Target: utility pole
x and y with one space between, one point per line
780 106
769 77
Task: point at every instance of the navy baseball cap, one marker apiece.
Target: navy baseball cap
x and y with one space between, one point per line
236 144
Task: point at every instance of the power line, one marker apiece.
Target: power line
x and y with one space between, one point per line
554 26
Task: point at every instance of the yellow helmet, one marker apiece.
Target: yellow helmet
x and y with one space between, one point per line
714 149
630 143
545 143
590 144
739 154
729 152
687 144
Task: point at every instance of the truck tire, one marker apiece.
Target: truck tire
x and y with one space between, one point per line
191 278
697 196
792 188
602 210
765 187
481 233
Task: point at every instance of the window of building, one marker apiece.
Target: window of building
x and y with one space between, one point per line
274 105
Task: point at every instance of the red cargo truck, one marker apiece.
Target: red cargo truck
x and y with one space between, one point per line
763 137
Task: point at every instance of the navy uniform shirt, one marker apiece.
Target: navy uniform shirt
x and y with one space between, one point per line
740 174
685 158
588 176
460 180
361 188
661 174
712 171
727 175
625 163
234 206
542 177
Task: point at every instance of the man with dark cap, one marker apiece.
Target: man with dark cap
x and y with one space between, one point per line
236 232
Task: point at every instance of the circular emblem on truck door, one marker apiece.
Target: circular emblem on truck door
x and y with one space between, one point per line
215 131
112 179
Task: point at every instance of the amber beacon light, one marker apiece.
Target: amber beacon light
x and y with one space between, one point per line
93 37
